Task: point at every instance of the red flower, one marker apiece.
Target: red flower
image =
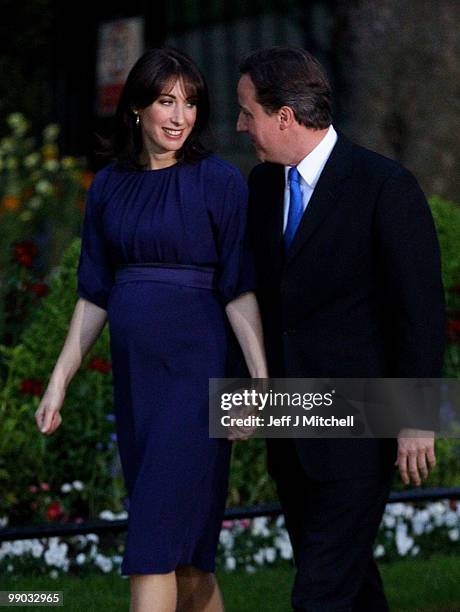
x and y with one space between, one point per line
453 330
40 289
25 251
54 510
31 385
100 364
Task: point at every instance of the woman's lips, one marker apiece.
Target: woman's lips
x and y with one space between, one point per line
172 133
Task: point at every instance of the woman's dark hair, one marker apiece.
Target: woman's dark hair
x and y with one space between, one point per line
149 76
290 76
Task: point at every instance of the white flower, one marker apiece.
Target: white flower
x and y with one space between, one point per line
389 521
17 548
54 574
92 537
66 487
226 539
121 515
453 534
284 546
230 563
280 521
403 542
250 569
450 519
107 515
259 526
80 558
259 557
104 563
420 520
395 509
78 485
10 568
379 551
37 549
415 550
270 554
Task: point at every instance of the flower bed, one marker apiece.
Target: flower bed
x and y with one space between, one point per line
406 530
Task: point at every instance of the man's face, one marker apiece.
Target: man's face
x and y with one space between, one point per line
263 129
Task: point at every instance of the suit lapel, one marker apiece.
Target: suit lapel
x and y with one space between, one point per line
325 195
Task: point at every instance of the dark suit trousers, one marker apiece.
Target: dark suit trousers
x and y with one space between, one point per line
332 526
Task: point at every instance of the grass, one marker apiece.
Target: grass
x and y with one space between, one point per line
411 585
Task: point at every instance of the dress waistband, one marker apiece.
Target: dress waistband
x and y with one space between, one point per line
174 274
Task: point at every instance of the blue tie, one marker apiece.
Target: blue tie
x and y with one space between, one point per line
295 206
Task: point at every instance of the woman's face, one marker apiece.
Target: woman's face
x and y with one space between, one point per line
169 120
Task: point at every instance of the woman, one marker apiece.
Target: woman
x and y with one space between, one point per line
163 260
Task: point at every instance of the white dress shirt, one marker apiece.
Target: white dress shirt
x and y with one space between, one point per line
310 169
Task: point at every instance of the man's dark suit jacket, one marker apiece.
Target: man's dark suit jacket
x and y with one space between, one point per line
358 294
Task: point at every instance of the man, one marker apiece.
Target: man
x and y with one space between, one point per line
349 285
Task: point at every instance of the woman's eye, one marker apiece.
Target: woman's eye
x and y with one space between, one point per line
166 102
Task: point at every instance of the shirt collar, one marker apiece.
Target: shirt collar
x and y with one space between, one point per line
312 164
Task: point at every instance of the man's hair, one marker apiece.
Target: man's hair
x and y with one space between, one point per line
290 76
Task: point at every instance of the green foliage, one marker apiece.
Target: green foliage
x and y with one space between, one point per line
82 448
41 199
446 216
447 220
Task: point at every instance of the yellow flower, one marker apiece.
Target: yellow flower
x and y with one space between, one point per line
18 123
51 132
68 162
50 151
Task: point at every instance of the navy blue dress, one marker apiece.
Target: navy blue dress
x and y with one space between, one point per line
167 339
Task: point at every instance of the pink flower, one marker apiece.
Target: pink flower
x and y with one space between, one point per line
245 523
33 489
45 486
227 524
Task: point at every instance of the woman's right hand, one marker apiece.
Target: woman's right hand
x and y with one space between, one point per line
48 416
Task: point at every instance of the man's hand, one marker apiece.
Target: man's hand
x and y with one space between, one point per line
416 456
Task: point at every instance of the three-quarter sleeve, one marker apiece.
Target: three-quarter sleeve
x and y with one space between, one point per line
237 273
95 275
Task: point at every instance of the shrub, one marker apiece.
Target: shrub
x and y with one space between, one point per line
82 449
41 200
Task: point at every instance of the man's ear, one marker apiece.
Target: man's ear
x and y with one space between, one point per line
285 117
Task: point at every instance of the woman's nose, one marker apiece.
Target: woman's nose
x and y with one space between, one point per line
178 115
